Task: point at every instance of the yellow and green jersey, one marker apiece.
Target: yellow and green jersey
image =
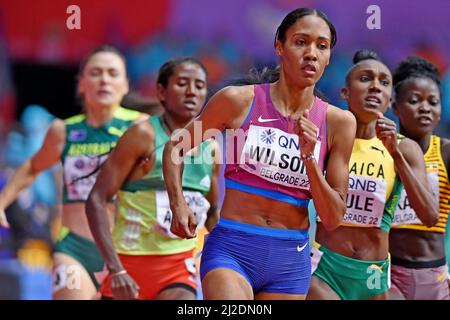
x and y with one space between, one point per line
143 220
374 188
87 148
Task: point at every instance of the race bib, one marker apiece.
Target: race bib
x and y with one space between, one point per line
274 155
405 214
195 200
80 173
366 199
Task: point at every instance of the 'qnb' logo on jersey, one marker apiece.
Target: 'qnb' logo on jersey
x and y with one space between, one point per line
268 136
288 142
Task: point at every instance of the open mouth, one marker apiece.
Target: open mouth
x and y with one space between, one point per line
372 101
424 120
309 69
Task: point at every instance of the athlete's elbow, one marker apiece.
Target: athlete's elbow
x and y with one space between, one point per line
330 225
333 221
170 154
431 219
431 213
168 147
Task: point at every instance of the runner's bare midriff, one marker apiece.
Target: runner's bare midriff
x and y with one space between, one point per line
372 244
261 211
414 245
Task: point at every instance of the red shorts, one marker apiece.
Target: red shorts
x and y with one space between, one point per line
153 273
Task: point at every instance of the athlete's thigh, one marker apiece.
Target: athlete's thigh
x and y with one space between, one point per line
226 284
177 293
279 296
71 280
383 296
395 293
320 290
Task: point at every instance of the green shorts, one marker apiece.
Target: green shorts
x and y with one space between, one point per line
351 279
84 251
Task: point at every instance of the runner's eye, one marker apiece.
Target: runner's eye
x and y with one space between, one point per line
364 78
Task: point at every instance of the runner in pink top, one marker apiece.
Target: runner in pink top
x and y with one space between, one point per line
286 138
280 174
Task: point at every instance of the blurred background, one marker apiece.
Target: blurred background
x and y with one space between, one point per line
39 57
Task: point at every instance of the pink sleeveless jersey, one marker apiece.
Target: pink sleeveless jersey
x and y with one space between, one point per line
268 161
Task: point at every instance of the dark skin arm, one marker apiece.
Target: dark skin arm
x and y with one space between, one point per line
446 157
132 148
445 145
410 166
213 195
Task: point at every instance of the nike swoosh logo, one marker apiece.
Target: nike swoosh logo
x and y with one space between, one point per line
300 249
260 119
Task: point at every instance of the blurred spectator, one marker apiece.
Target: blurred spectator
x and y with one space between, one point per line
37 204
20 146
52 46
216 66
7 101
140 103
431 53
25 254
25 261
334 78
445 114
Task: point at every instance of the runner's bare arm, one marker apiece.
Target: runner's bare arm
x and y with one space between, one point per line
445 146
446 154
130 149
213 195
226 109
47 156
330 192
410 166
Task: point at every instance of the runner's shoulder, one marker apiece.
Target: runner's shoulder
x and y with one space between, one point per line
338 118
237 95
